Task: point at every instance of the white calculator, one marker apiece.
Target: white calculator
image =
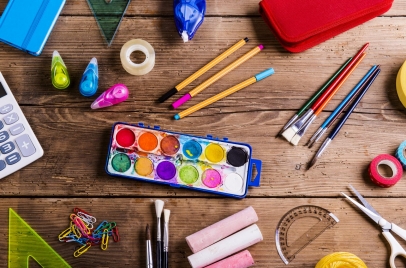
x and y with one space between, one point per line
18 144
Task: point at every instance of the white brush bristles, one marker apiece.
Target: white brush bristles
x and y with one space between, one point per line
167 213
295 140
159 206
288 134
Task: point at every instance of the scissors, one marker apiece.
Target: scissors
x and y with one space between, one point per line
396 248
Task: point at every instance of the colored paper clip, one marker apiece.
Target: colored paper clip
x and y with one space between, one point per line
64 234
102 225
115 235
75 230
105 239
112 225
81 226
77 210
82 250
88 217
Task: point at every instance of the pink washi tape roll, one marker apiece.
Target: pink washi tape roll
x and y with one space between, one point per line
221 229
239 260
390 161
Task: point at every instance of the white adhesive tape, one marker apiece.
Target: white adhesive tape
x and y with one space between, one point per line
137 68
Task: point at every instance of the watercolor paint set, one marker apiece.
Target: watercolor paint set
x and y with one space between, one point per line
179 160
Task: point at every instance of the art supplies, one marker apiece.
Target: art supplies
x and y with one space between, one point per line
27 24
309 24
226 247
242 259
217 76
165 260
90 80
112 96
401 84
217 231
203 70
342 121
382 180
225 93
341 259
59 72
182 161
189 15
396 248
19 146
287 251
340 108
108 15
148 246
159 205
137 68
312 99
82 230
400 154
289 133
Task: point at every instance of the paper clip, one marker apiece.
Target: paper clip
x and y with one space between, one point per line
102 225
82 250
81 226
105 239
86 217
75 230
112 225
115 235
64 234
77 210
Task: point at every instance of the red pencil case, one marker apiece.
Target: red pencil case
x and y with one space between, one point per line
301 24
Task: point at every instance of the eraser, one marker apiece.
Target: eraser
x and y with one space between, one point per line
221 229
226 247
239 260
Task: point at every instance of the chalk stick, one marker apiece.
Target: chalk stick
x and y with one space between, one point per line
239 260
221 229
226 247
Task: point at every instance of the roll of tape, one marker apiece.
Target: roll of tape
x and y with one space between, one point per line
390 161
400 154
401 84
137 68
341 260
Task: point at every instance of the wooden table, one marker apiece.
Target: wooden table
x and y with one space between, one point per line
75 138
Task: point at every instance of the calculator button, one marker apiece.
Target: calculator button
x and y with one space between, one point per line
2 165
25 145
6 108
11 118
7 147
13 158
16 129
3 136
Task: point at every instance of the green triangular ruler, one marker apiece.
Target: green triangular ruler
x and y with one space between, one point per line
24 242
108 14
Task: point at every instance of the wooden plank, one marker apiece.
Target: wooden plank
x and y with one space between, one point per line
48 217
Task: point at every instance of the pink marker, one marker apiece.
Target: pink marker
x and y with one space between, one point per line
217 76
239 260
114 95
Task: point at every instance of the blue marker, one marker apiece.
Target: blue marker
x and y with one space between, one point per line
189 15
90 79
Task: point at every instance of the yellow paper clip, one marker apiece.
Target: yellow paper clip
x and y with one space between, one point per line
64 234
82 249
105 239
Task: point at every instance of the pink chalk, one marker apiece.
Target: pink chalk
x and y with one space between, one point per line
181 101
221 229
239 260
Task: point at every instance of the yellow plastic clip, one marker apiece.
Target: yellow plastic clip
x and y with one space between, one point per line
82 249
64 234
105 239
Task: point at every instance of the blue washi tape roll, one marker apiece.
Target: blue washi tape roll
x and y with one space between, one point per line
400 156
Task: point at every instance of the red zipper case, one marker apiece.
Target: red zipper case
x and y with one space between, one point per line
300 24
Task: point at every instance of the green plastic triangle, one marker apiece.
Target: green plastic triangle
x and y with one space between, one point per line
108 14
24 243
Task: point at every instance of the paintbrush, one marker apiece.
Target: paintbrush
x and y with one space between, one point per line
343 120
291 131
167 213
296 138
159 205
312 99
341 107
149 250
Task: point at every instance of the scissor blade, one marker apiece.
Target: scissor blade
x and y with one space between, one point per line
370 214
364 202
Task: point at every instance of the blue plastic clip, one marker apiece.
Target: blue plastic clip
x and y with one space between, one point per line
258 165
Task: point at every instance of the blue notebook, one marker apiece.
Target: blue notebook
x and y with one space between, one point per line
26 24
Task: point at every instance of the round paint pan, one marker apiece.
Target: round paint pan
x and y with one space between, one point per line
214 152
166 170
147 141
237 156
188 174
125 137
211 178
143 166
233 182
170 145
121 162
192 149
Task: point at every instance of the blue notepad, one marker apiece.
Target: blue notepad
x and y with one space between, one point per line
26 24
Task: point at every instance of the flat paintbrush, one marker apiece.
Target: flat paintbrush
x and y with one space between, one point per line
341 107
167 213
343 120
159 205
